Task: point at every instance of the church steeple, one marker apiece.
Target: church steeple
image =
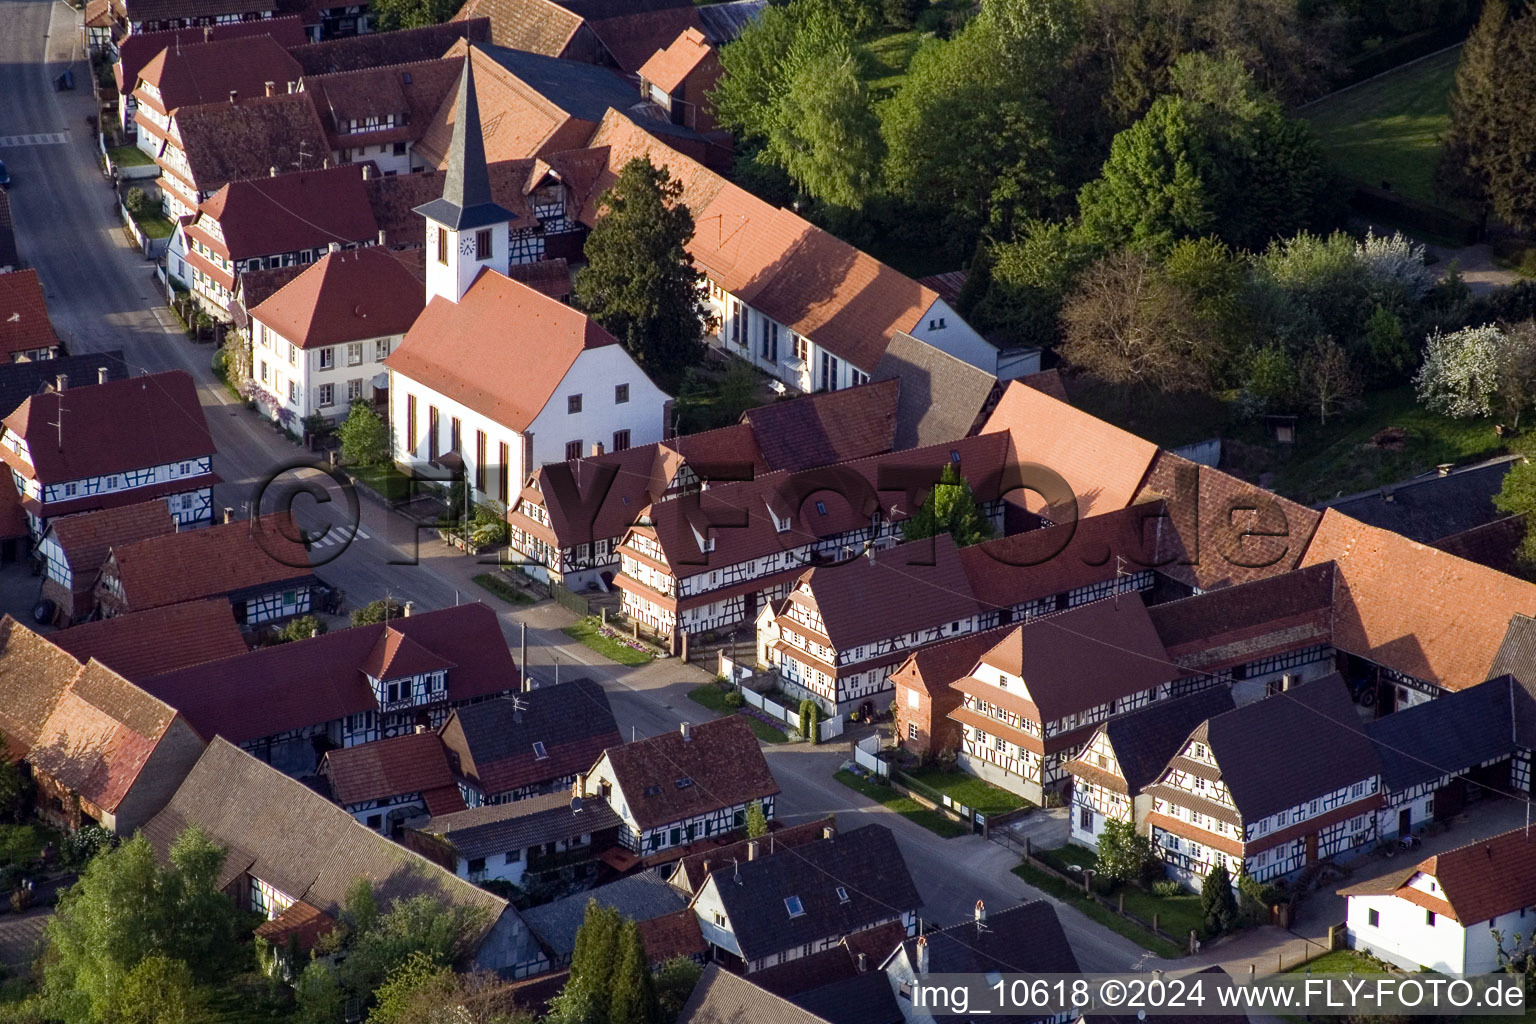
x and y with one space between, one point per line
466 230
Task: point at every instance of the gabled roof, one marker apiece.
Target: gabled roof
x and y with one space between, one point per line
34 674
1445 628
413 763
1434 505
723 22
100 735
858 999
1223 626
196 73
395 198
169 10
1494 544
547 277
532 821
163 410
934 666
828 427
692 870
667 69
346 296
1255 749
382 49
139 645
538 26
317 680
638 897
826 968
293 212
941 397
632 30
571 720
844 884
720 766
19 381
1446 737
300 924
226 142
411 93
1104 465
232 559
1486 878
1221 530
1026 939
461 349
135 50
721 997
1145 740
8 254
1078 659
24 323
86 537
278 830
909 588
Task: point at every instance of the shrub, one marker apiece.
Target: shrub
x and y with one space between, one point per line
301 628
735 700
137 201
1166 887
1217 904
378 611
84 843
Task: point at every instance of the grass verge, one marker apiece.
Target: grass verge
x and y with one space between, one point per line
588 631
502 589
1389 128
128 156
385 479
712 697
934 821
1054 886
967 789
766 731
153 224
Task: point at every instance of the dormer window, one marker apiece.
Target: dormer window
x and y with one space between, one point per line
653 791
794 906
842 895
1002 681
821 507
684 782
954 455
539 751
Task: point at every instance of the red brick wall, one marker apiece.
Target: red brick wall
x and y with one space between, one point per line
935 730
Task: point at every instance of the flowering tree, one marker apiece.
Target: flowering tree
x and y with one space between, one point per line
1461 371
1395 260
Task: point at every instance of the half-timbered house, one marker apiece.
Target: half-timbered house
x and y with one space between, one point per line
1033 700
346 687
714 560
74 547
379 113
26 333
527 839
771 909
289 847
259 565
139 645
385 782
112 444
1269 787
1127 754
682 786
530 744
570 530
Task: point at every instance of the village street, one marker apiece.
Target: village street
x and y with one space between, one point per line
103 295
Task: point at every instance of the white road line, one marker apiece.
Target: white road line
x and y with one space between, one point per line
42 139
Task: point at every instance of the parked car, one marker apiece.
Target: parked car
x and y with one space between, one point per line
66 80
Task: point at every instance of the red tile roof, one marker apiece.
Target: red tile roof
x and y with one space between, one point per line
300 922
411 93
632 34
1086 656
163 410
100 735
1486 878
346 296
189 75
721 758
33 677
266 216
538 26
310 682
24 323
826 428
666 69
86 537
413 763
381 49
135 50
226 142
934 666
460 349
1104 465
225 559
1413 608
150 643
672 935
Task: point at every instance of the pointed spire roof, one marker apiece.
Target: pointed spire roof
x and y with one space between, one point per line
466 201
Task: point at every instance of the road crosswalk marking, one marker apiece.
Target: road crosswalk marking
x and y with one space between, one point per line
340 535
39 139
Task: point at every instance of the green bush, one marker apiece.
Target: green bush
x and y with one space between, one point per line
1166 887
734 699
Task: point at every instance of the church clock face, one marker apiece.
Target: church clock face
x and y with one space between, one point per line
467 246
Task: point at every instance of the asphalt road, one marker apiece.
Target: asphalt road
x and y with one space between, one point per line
102 295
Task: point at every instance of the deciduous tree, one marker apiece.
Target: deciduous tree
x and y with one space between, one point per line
1327 378
1461 371
951 508
364 436
1124 853
390 15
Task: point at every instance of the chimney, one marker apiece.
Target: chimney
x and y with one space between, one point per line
981 912
863 966
234 94
751 850
597 447
207 35
1443 469
367 171
271 88
829 832
687 730
229 515
706 867
101 375
333 247
405 610
922 954
381 236
316 632
420 729
271 172
579 787
61 382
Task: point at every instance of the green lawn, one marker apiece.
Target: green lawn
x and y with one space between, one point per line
1340 961
711 696
766 732
502 589
889 56
1389 128
934 821
128 156
153 224
969 790
1054 886
1176 915
385 479
587 631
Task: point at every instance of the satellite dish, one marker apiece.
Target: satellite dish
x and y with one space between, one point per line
575 804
